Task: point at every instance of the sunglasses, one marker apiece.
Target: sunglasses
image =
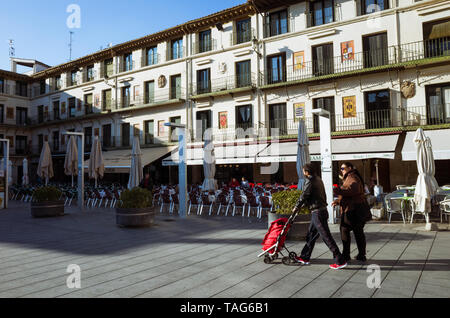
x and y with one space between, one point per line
342 169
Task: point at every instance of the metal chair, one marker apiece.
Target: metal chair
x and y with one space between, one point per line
205 202
175 201
395 205
238 203
223 202
264 204
445 208
412 204
193 201
251 202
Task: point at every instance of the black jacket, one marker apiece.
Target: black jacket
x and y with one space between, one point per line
313 196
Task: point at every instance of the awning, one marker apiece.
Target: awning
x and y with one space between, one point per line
380 147
119 161
440 139
228 154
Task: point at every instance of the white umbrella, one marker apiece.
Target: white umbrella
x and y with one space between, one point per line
136 171
303 156
426 185
71 160
45 167
96 164
25 178
209 166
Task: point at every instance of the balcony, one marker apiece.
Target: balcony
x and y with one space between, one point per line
242 37
204 46
160 97
374 60
224 85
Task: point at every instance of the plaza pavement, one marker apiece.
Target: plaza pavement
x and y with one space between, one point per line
203 257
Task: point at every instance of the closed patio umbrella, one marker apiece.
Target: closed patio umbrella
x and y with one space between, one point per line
71 160
96 167
25 178
426 185
45 167
136 171
303 156
209 166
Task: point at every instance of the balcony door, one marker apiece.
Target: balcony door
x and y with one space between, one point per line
323 63
278 118
438 104
378 109
243 74
276 68
204 121
149 92
175 87
326 103
375 50
106 134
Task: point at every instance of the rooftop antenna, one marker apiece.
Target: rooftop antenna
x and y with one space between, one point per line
12 50
70 45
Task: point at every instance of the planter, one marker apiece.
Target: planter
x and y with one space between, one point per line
47 209
135 217
299 228
377 213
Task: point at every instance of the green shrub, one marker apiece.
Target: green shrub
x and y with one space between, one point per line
136 198
45 194
284 202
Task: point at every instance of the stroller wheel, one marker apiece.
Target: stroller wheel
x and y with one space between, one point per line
275 256
286 260
292 255
267 259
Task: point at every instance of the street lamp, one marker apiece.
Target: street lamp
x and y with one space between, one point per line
327 160
182 174
80 146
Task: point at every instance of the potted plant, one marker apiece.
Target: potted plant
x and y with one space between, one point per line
135 208
47 202
284 202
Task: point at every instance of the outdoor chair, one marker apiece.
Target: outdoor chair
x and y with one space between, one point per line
413 211
445 208
205 202
165 201
265 204
252 204
193 201
223 202
238 203
175 201
109 198
395 205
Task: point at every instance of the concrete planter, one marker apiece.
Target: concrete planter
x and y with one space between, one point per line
47 209
135 217
299 228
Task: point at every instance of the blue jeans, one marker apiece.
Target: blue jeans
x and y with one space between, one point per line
319 227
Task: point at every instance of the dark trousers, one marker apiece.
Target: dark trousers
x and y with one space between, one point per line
319 227
360 237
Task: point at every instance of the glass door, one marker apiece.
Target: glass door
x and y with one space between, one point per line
278 119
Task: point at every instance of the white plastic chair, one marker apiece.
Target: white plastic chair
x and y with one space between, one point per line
445 208
395 205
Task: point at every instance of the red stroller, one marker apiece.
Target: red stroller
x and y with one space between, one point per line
273 242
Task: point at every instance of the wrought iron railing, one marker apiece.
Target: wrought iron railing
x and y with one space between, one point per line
224 84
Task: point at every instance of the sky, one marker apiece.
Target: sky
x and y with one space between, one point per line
40 29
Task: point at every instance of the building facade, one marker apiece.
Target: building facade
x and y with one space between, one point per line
250 73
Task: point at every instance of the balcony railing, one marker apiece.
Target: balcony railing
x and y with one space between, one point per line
242 36
203 46
159 96
372 59
224 84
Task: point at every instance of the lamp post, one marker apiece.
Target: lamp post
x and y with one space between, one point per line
80 146
182 174
327 160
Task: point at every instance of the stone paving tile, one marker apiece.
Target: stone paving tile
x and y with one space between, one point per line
205 257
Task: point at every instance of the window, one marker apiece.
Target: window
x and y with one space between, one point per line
149 92
56 141
149 131
276 23
152 56
173 130
244 117
90 73
243 74
42 87
57 80
371 6
127 62
126 96
438 104
21 145
106 100
243 31
72 107
204 81
278 119
2 86
175 87
88 104
322 12
40 142
326 103
106 135
21 116
56 110
204 41
108 68
2 112
73 78
436 36
204 121
378 109
21 89
88 138
276 68
323 62
176 49
375 50
40 114
125 135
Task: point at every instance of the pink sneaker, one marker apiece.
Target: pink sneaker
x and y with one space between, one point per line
337 266
301 261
